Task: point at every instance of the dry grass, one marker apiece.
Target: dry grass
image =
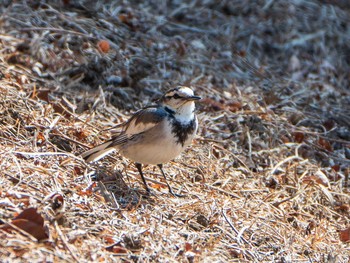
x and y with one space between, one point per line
267 177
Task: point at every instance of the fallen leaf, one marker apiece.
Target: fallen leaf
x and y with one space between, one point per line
299 137
81 134
242 53
19 252
213 105
117 249
158 186
345 235
285 139
318 178
30 221
325 144
342 208
40 139
41 94
336 167
181 48
77 170
109 239
88 190
188 246
59 108
235 105
329 124
125 17
103 46
312 224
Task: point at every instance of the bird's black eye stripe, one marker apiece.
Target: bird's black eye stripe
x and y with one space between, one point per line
175 96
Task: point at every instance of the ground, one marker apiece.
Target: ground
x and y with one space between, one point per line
266 179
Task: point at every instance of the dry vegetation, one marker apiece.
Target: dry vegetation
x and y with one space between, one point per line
267 177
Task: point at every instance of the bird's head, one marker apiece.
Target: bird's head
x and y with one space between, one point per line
179 97
180 101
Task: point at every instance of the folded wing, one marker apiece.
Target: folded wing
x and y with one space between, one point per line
139 123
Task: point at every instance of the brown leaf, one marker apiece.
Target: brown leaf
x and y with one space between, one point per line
312 224
103 46
40 139
213 104
158 186
81 134
299 137
77 170
31 222
316 178
344 235
41 94
88 190
117 249
325 144
188 247
31 214
125 18
19 252
336 167
57 107
342 208
271 98
109 239
235 253
242 53
285 139
180 48
329 124
235 105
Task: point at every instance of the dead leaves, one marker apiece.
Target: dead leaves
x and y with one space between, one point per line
344 235
213 105
299 137
62 106
30 221
124 246
88 190
117 249
325 144
103 46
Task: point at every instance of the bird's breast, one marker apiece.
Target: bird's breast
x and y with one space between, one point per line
162 143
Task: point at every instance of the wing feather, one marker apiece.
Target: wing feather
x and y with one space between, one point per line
142 121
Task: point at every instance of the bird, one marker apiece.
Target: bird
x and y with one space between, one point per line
155 134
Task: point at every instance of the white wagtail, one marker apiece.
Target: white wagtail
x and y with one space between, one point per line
155 134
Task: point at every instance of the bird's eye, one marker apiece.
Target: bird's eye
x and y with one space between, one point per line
176 96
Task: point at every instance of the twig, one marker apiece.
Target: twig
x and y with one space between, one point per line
222 191
64 240
58 31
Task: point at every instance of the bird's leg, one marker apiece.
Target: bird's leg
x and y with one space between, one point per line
139 168
170 190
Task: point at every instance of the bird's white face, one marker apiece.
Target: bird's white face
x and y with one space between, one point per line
179 97
181 101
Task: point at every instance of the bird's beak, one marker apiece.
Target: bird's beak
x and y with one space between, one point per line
193 98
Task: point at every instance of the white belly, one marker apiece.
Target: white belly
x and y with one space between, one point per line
156 146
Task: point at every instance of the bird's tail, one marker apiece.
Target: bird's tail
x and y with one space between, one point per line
98 152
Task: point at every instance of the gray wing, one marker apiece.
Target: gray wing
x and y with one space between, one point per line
142 121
